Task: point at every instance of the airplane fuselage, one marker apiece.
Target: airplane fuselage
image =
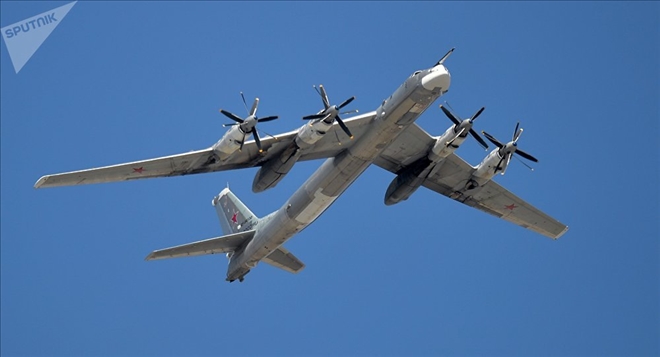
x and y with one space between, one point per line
392 117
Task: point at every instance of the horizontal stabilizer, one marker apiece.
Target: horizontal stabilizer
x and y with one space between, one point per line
224 244
283 259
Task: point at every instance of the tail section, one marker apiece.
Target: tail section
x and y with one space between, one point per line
225 244
239 226
234 216
283 259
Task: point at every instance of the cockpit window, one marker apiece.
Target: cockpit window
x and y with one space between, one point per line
416 73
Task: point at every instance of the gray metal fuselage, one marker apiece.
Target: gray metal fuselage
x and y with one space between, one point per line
325 185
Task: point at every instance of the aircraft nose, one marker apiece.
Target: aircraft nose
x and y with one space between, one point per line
439 77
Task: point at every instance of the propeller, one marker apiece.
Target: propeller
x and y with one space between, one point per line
460 125
507 150
249 124
331 112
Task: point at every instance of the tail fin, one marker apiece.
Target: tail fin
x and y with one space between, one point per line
233 214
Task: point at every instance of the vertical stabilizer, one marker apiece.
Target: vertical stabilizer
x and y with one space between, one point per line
233 214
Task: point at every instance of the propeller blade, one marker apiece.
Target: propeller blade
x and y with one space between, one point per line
515 132
265 132
345 103
256 140
508 160
498 167
522 162
349 112
449 106
231 116
442 60
456 137
477 114
518 134
526 155
343 126
226 125
314 116
242 142
255 105
273 117
324 97
478 138
492 139
450 115
244 103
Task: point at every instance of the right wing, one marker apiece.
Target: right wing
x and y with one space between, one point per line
224 244
491 198
203 161
450 176
283 259
175 165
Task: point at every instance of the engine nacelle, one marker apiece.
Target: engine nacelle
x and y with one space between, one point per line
445 146
229 143
408 181
274 170
400 189
486 169
312 132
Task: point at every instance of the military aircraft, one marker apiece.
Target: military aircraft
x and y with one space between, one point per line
387 137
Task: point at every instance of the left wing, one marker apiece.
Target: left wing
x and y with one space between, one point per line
450 179
203 161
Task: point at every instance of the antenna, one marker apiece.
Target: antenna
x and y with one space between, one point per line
245 104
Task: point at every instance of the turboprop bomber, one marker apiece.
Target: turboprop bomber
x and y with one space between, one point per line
387 137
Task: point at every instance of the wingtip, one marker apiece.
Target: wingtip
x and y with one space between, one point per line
149 257
562 233
41 182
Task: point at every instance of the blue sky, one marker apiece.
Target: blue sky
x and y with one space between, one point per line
123 81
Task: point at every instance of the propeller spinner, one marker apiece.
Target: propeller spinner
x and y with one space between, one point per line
249 124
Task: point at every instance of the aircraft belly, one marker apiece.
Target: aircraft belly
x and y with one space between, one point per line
336 174
316 206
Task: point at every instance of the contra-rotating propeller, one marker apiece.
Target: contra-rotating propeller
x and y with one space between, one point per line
507 150
249 124
462 125
330 113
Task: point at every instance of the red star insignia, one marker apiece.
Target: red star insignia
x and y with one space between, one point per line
138 170
511 207
234 218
